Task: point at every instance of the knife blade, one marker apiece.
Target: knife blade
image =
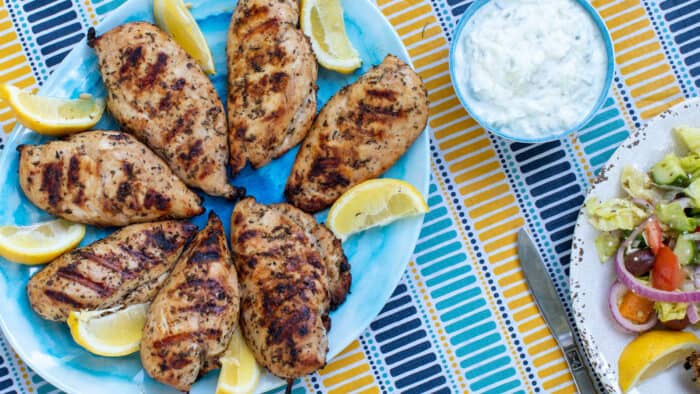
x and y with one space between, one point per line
552 310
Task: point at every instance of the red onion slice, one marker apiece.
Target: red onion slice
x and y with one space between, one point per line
643 203
617 291
641 288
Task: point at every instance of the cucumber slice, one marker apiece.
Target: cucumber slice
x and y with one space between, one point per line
690 136
685 250
669 172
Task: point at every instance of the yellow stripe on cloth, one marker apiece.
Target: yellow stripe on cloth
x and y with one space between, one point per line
14 66
639 56
348 372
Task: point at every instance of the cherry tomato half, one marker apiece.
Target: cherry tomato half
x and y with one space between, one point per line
666 274
653 235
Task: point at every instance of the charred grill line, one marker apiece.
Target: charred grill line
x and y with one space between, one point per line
71 274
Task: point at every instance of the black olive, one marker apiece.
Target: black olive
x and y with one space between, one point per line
676 325
640 262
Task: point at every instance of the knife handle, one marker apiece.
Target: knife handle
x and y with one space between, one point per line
584 384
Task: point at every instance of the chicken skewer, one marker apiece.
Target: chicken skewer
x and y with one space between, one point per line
157 92
272 75
290 277
360 133
125 268
104 178
193 317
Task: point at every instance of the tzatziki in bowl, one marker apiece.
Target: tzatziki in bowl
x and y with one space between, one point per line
532 70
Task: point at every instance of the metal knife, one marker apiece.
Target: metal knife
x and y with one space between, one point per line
552 309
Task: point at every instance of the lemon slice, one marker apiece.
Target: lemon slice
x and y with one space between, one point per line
239 370
653 352
50 115
174 17
112 332
322 21
374 203
39 243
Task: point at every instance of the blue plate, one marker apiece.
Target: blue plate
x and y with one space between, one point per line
609 72
378 256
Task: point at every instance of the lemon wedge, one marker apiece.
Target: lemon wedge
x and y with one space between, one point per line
653 352
239 370
175 17
112 332
374 203
322 21
41 242
50 115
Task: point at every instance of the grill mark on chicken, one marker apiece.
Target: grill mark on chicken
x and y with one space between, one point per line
133 56
179 84
284 328
51 180
205 257
385 94
107 262
279 81
165 103
178 363
123 191
72 274
144 259
73 171
155 199
208 308
183 125
160 239
63 298
167 341
154 70
195 150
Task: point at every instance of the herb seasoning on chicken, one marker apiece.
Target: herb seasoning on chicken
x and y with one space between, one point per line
272 74
125 268
360 133
157 92
193 317
104 178
293 272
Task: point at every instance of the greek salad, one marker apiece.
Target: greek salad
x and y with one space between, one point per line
652 235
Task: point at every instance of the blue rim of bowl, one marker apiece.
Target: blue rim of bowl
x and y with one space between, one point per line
610 71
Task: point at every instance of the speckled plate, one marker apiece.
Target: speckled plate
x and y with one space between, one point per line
378 257
591 280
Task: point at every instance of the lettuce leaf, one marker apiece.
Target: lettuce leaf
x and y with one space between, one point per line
638 184
606 245
614 214
670 310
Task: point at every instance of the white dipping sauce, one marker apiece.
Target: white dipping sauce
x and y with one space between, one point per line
531 68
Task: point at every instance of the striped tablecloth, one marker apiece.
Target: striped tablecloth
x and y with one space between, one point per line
462 319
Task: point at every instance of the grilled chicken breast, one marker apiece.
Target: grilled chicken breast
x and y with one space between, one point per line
337 266
360 133
157 92
193 317
104 178
272 76
125 268
286 286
